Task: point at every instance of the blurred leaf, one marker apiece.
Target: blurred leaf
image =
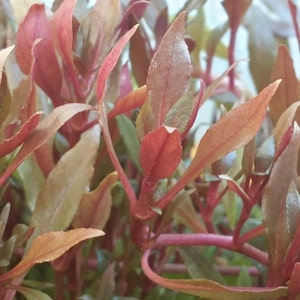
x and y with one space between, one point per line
284 122
288 92
133 100
198 265
3 219
97 32
32 180
106 284
140 56
130 139
186 214
3 55
244 278
49 246
6 251
35 51
160 153
95 206
61 24
110 62
262 47
32 294
59 198
170 64
21 7
9 145
43 132
236 11
276 204
294 283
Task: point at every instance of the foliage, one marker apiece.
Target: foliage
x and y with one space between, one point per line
106 193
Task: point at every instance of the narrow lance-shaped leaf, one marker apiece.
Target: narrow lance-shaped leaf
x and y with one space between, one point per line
160 153
288 92
233 130
110 62
56 207
43 132
49 246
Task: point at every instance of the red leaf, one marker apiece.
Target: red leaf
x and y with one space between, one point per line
169 66
45 68
62 28
43 132
110 61
160 153
294 283
131 101
11 144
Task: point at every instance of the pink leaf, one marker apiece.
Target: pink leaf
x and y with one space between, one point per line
38 57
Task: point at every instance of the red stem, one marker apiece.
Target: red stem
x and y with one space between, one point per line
225 242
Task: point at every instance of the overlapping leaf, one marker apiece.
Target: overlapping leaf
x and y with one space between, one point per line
43 132
95 206
233 130
49 246
59 198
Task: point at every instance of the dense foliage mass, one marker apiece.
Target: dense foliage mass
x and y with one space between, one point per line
106 191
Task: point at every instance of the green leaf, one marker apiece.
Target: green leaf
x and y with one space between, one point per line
198 265
130 139
60 196
32 294
106 284
244 278
3 218
95 206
